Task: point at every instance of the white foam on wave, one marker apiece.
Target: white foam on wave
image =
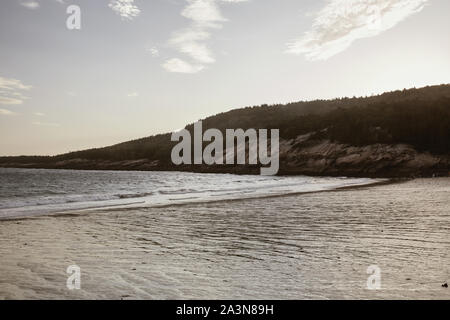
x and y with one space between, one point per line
29 192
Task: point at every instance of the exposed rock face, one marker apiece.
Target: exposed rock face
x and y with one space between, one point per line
301 155
324 157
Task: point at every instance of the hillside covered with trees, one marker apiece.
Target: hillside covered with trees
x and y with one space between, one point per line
415 119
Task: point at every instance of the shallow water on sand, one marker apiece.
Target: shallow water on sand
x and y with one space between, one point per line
308 246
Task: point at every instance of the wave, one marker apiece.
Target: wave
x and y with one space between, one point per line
95 191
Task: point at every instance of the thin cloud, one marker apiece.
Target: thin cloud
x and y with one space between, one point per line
125 8
205 16
33 5
30 5
10 101
190 42
133 94
11 91
181 66
153 51
11 84
341 22
5 112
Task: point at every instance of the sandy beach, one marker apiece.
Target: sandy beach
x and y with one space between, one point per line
307 246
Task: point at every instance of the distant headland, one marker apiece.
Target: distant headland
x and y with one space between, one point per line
396 134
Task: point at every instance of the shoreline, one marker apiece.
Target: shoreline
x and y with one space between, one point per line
250 170
134 205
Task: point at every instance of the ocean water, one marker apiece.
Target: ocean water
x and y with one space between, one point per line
161 235
30 192
315 245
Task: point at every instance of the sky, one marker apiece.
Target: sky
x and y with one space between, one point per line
136 68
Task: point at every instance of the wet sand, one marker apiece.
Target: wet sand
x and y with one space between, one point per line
308 246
